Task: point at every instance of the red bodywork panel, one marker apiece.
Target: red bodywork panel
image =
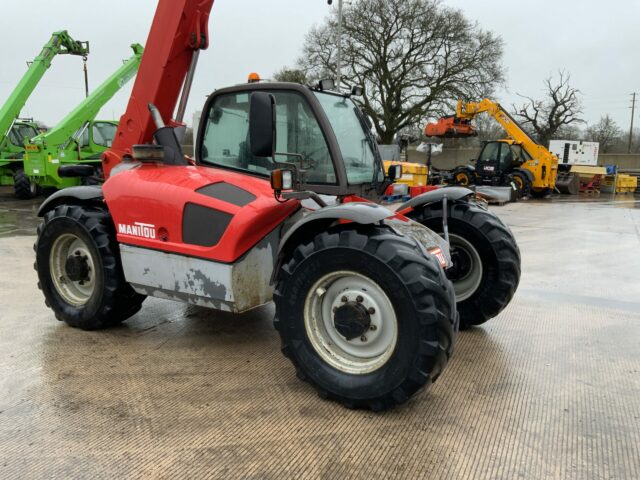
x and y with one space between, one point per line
450 127
157 195
179 28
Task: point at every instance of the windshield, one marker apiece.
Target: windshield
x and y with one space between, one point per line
226 138
21 132
104 133
351 131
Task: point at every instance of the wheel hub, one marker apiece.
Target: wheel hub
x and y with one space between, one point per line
352 320
77 268
461 264
72 269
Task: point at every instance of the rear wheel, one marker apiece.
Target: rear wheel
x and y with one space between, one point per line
79 269
365 318
523 183
541 193
485 255
24 188
462 177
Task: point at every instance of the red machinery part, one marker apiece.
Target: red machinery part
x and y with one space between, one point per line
162 195
450 127
179 28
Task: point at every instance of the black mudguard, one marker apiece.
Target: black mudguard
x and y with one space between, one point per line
453 194
73 195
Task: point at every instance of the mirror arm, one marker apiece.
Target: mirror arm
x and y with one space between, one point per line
304 195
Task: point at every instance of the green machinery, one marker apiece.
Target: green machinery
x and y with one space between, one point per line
78 138
12 149
13 131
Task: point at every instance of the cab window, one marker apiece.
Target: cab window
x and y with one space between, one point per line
103 133
226 137
20 133
490 152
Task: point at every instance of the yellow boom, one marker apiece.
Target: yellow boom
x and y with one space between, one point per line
543 164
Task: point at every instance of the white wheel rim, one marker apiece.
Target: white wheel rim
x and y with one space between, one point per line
79 292
466 286
360 355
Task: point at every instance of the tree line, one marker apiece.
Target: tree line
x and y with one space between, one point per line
417 58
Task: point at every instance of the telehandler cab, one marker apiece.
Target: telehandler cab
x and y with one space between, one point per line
276 206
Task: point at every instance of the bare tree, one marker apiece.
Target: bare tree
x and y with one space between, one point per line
606 132
561 107
294 75
415 58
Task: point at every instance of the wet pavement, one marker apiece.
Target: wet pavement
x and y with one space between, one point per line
549 389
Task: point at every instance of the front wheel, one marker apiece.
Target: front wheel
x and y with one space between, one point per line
523 183
365 317
23 187
79 269
462 177
541 192
485 255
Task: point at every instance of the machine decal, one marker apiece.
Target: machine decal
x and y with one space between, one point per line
138 229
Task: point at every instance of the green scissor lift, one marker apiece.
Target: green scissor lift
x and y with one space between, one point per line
13 131
78 138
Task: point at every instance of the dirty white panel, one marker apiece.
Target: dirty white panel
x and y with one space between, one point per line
234 287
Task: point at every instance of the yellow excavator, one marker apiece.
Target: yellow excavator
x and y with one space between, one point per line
517 160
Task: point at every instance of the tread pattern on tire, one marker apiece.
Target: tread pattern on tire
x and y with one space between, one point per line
119 301
526 183
498 289
431 292
22 185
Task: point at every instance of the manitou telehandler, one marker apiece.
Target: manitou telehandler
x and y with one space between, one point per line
77 141
276 206
13 131
518 159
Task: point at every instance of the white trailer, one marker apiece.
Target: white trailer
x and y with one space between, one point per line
571 152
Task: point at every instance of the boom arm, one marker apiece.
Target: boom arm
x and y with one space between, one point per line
468 111
59 44
89 108
178 32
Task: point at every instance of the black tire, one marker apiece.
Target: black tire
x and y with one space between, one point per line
23 187
462 177
111 300
541 193
415 286
496 249
523 183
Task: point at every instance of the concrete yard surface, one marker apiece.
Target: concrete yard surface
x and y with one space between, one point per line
548 389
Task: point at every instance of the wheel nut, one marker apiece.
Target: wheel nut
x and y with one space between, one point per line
371 310
345 299
363 338
373 328
359 299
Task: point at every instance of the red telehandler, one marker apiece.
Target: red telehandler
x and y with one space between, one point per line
276 206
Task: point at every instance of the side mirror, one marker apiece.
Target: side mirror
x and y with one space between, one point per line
262 124
395 172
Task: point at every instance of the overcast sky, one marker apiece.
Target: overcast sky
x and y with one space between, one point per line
593 40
